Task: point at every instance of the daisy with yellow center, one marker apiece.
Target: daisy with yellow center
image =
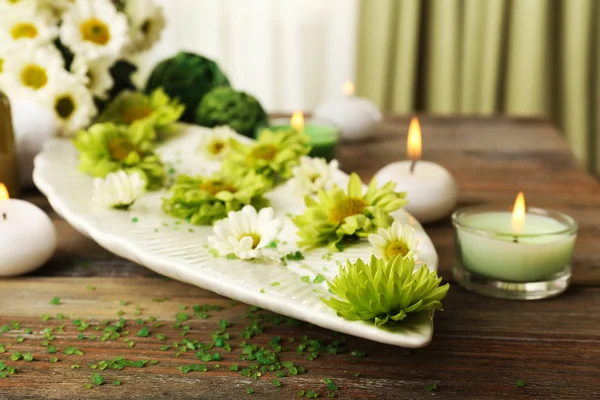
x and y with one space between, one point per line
247 234
22 23
94 29
31 70
312 175
397 240
95 74
147 21
71 102
216 144
338 217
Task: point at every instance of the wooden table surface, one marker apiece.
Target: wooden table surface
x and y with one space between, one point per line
480 349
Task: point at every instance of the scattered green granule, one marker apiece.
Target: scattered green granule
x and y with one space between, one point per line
20 339
117 383
181 317
144 332
319 278
72 350
262 291
91 288
6 370
16 356
275 284
123 302
2 348
160 299
330 385
45 318
296 256
27 357
97 379
193 367
431 387
55 300
520 383
311 394
135 220
249 390
356 353
53 359
305 278
276 382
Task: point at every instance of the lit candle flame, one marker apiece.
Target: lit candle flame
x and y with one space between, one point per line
3 192
413 143
518 215
348 88
297 121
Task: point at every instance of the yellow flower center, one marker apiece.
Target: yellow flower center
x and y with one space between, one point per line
34 76
119 148
1 64
395 248
23 30
255 238
345 208
314 177
136 112
64 106
95 31
263 152
215 186
216 147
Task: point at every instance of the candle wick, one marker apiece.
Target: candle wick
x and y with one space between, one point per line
515 239
412 166
4 216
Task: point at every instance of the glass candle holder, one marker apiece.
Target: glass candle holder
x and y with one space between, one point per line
492 260
323 135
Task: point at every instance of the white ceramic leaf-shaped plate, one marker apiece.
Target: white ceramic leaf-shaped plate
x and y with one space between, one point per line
171 247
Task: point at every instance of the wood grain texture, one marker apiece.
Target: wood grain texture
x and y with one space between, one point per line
481 346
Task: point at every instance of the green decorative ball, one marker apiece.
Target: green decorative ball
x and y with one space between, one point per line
188 77
226 106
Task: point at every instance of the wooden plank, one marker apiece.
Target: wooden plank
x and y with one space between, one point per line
480 347
490 158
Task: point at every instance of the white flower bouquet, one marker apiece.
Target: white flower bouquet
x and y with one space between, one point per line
70 57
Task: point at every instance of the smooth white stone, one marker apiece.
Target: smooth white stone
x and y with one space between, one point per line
431 191
27 237
356 117
33 125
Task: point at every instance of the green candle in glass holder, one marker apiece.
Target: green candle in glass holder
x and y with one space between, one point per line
323 136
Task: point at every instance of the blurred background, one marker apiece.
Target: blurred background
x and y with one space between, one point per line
537 58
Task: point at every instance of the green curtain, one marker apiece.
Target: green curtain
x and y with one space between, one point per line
483 57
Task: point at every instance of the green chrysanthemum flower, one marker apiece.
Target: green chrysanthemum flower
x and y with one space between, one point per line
381 291
204 200
273 155
106 148
340 216
157 109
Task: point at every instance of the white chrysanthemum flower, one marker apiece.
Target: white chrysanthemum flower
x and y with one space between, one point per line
94 29
71 103
147 22
26 24
28 70
216 145
397 239
311 175
246 233
95 74
118 190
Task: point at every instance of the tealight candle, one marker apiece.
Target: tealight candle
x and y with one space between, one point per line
27 236
525 254
323 137
356 116
430 189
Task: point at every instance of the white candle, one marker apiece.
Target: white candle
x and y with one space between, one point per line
27 236
430 189
356 117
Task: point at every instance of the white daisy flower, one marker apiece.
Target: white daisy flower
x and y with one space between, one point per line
95 74
246 233
29 70
311 175
397 239
147 22
94 29
26 24
118 190
216 145
71 103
